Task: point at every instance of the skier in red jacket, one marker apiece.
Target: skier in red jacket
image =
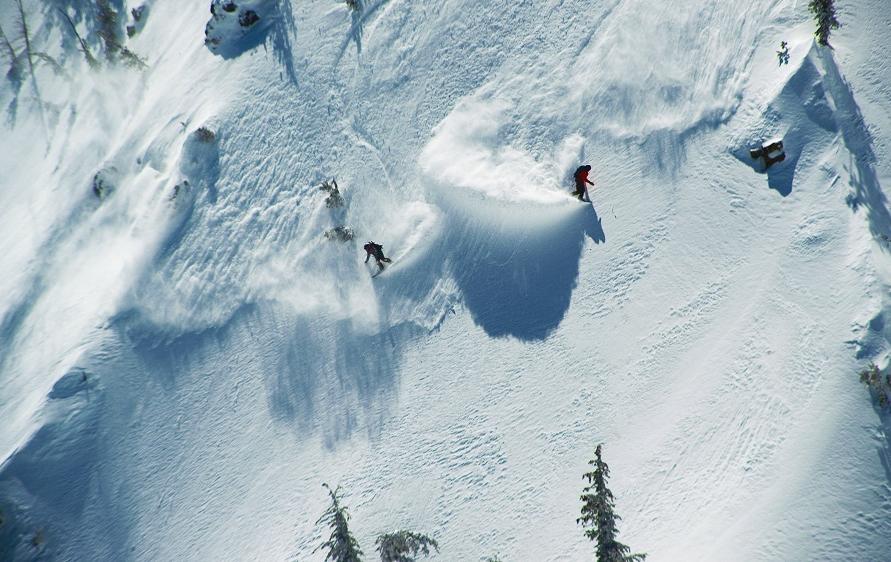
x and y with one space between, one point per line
582 182
376 250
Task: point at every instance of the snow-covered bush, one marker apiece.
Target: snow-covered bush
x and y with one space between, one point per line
879 385
340 234
203 134
201 157
180 189
404 546
334 199
824 15
598 515
341 546
105 181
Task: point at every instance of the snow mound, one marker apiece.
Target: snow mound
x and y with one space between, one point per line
227 32
801 113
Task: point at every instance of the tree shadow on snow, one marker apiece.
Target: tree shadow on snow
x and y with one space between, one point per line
321 374
358 17
280 34
883 432
275 27
865 182
343 384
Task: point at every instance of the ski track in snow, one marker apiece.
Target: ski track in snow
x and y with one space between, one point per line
180 374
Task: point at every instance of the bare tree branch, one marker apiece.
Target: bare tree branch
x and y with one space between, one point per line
30 58
85 49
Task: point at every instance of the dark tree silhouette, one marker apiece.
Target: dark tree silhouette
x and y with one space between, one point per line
824 15
599 518
404 546
341 545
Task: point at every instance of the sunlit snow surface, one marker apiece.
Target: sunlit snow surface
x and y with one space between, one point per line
182 366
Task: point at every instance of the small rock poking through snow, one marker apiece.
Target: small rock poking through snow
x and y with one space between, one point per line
105 181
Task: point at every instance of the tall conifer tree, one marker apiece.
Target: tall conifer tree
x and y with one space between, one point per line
341 545
599 517
824 15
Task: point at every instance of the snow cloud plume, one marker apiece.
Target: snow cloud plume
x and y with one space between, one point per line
471 151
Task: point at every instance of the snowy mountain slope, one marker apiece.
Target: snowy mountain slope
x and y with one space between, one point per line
181 373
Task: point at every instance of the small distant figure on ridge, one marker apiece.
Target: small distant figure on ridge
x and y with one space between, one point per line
376 250
582 182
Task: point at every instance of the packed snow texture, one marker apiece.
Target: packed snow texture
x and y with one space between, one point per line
185 358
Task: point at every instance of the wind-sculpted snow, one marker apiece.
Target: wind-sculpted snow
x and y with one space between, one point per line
517 139
185 356
683 72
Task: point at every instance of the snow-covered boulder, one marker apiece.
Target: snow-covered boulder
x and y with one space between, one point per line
138 17
105 181
200 157
230 22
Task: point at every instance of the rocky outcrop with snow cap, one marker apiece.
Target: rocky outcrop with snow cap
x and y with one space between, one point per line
230 22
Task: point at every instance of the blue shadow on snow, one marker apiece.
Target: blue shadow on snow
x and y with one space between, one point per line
519 284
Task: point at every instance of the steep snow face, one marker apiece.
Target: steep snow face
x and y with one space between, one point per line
185 357
73 255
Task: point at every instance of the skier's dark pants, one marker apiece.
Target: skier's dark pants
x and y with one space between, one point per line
579 189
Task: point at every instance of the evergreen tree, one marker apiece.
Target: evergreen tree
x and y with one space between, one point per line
871 376
824 15
404 546
598 516
341 545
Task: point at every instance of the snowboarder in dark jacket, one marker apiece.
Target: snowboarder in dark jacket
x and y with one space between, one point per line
376 250
582 182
